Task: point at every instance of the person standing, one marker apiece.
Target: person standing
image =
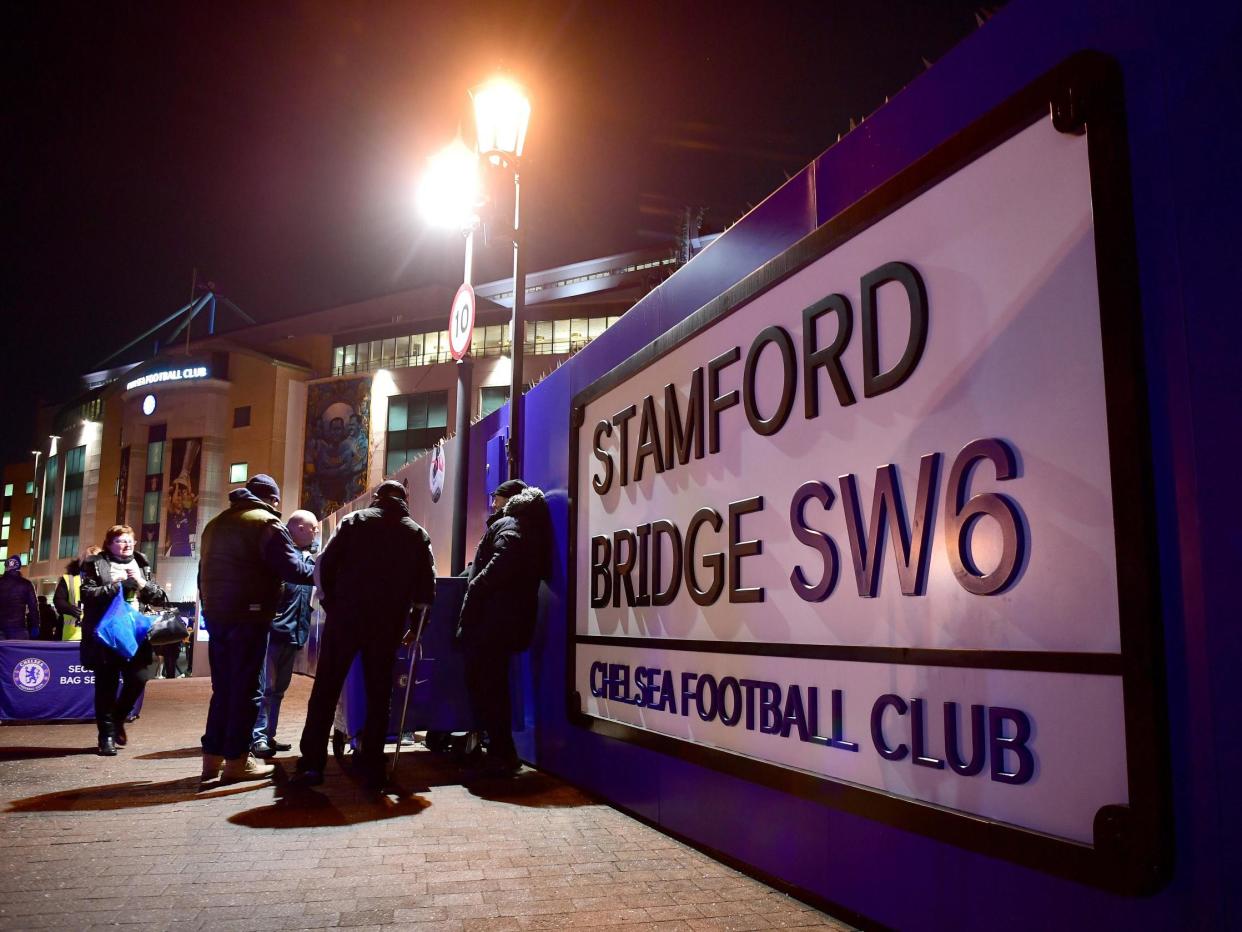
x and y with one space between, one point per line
499 611
246 554
118 568
377 568
49 621
289 633
19 612
68 598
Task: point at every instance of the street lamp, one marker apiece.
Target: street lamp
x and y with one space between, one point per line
501 116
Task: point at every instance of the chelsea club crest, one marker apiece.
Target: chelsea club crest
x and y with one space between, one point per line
31 675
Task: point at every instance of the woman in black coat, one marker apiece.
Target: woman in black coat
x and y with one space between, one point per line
119 568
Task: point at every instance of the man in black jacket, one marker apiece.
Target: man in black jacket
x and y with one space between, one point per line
19 612
375 570
500 609
289 633
246 554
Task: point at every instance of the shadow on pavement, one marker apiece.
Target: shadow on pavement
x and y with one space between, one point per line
305 808
529 788
33 753
131 795
176 754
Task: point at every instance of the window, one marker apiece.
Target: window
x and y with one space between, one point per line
25 559
4 552
8 490
492 397
415 423
241 416
71 507
50 475
30 488
27 522
149 533
239 472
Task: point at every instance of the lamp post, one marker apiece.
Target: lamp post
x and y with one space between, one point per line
501 117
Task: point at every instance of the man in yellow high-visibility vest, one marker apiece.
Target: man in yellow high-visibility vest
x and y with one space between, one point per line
68 599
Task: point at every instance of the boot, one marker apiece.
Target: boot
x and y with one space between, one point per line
107 746
241 769
211 767
120 736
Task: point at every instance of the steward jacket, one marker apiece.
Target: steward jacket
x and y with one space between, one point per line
98 591
19 612
378 566
246 554
515 555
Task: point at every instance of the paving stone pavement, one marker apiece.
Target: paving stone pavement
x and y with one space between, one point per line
91 842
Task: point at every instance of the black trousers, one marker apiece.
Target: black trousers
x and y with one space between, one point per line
110 706
344 638
487 682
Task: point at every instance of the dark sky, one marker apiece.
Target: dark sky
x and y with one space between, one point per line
276 146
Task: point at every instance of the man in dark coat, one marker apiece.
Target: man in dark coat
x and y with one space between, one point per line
246 554
289 633
377 568
500 609
49 621
19 612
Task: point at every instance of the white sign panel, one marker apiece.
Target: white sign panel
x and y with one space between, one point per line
860 524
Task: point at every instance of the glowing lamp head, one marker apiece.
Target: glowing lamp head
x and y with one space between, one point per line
501 115
448 195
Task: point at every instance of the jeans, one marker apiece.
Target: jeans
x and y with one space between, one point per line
274 678
236 651
344 637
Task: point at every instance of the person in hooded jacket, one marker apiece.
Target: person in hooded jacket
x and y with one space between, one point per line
377 568
246 555
19 612
500 609
117 568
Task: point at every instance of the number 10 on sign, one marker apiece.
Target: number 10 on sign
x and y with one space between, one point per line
461 322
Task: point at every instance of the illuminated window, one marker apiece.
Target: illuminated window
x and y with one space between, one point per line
492 397
239 472
415 423
8 490
27 522
30 488
71 507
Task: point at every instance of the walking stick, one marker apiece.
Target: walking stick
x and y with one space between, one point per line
409 685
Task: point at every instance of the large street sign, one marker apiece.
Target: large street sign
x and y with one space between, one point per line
873 525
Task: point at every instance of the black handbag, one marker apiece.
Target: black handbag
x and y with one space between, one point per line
167 627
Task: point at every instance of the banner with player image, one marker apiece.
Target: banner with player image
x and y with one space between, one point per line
183 488
338 425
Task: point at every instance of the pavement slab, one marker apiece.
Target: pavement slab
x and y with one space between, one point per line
135 842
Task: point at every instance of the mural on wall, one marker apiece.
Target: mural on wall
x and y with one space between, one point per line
183 497
122 486
151 518
338 425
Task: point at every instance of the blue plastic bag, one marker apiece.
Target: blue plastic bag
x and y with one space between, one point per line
123 627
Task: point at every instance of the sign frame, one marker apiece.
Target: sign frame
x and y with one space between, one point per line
463 303
1132 849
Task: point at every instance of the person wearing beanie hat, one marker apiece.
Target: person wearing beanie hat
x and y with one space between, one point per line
19 612
501 608
377 568
246 555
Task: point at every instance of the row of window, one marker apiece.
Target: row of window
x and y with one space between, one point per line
8 489
542 338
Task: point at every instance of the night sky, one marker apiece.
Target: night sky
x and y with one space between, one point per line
276 146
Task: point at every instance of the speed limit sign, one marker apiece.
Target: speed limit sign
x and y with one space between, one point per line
461 322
